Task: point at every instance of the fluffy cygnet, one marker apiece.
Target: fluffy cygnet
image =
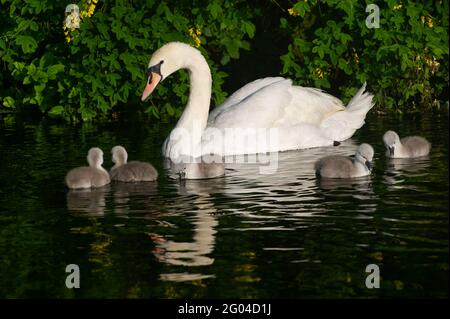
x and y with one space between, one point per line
207 166
133 171
337 166
93 175
407 147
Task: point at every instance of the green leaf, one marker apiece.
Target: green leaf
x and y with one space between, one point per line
301 7
232 45
215 9
113 78
28 44
18 68
320 50
153 111
53 70
345 38
250 29
56 110
135 72
169 109
225 59
8 102
115 65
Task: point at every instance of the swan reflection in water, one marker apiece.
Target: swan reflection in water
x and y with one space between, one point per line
399 168
285 200
288 193
88 201
358 184
292 197
196 252
93 201
141 195
408 165
295 173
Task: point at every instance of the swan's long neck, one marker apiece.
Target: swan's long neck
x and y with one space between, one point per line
195 115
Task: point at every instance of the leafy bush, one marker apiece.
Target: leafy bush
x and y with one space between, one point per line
404 61
98 70
85 73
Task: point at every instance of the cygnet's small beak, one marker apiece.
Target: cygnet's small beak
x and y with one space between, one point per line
369 165
153 81
391 150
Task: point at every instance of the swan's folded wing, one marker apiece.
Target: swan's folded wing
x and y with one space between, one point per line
241 94
311 106
261 108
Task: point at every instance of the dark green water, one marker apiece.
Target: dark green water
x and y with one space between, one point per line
242 236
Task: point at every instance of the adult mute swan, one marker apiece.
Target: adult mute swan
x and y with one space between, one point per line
266 115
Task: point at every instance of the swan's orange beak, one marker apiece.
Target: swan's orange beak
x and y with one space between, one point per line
153 80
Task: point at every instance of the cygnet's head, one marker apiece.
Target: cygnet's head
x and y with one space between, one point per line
119 155
203 167
364 154
390 139
95 157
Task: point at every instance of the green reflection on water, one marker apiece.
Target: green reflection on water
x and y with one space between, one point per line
243 236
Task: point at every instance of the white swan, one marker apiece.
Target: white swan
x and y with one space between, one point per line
266 115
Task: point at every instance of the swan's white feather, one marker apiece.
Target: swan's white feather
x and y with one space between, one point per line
242 93
342 125
261 108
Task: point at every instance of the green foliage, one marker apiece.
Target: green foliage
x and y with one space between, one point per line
404 61
103 65
101 70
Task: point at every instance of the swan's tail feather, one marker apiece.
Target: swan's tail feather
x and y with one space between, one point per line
341 125
361 101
